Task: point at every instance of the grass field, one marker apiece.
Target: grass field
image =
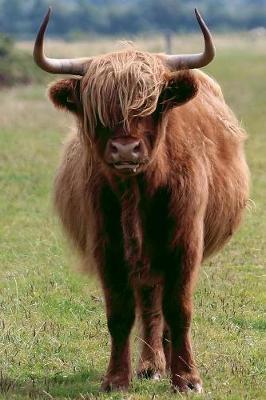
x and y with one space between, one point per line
53 337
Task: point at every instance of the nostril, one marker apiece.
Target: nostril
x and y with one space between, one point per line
136 148
113 148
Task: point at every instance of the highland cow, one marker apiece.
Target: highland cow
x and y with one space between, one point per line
153 181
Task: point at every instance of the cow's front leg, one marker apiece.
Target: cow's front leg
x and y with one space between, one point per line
120 318
152 358
177 308
119 296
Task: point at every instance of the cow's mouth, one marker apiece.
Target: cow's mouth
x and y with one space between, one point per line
126 166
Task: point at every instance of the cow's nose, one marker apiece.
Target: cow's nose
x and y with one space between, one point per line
129 151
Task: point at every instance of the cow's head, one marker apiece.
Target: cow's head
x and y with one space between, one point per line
120 98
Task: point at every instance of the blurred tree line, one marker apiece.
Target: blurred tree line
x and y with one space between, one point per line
73 17
16 66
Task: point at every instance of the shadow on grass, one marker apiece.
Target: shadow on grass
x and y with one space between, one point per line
57 386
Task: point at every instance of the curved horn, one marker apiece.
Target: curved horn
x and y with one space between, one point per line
75 66
190 61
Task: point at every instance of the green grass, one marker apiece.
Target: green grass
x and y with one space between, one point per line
53 337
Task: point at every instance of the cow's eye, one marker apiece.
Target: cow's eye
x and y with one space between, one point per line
103 131
70 100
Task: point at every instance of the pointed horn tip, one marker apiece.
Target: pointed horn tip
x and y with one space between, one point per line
44 24
198 16
46 17
203 24
48 14
196 11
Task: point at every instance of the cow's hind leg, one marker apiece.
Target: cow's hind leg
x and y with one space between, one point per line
152 358
120 307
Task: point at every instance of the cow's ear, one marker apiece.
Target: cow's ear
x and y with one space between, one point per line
65 94
180 88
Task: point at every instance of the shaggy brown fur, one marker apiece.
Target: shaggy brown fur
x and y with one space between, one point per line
148 232
110 77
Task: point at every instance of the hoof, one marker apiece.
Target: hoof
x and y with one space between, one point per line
149 374
115 383
151 369
186 383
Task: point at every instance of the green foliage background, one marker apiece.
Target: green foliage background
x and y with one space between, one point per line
72 17
16 66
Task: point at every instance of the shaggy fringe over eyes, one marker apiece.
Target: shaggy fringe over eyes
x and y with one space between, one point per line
120 86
